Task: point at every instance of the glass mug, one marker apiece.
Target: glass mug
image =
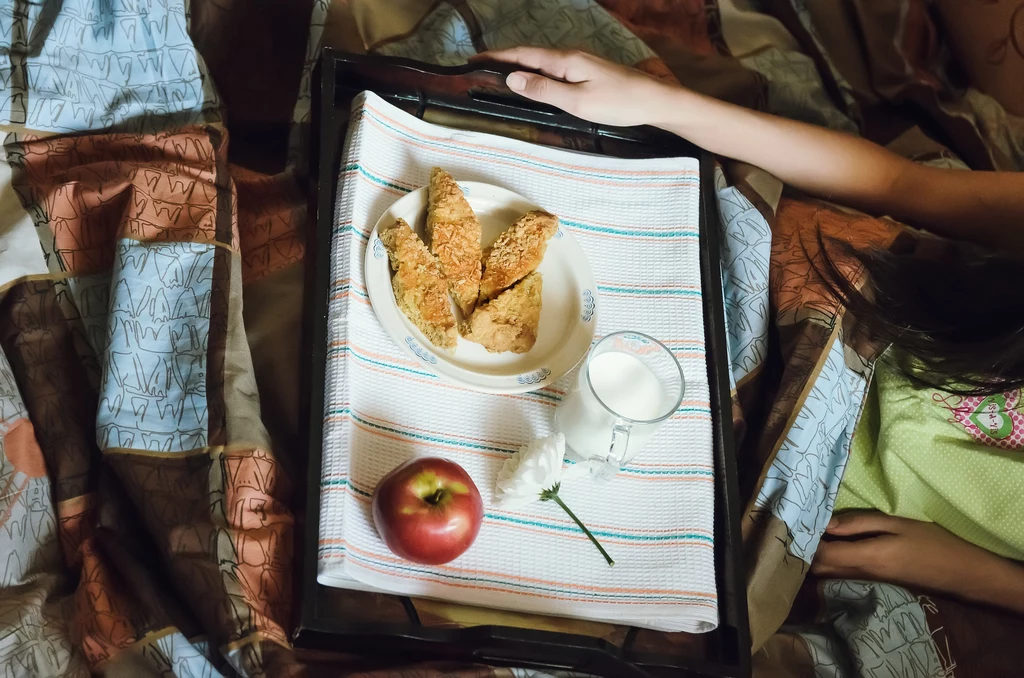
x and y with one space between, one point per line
628 386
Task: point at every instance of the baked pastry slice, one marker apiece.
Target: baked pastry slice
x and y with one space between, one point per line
454 233
421 291
508 322
517 252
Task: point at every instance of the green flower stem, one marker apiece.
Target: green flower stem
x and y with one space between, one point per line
552 494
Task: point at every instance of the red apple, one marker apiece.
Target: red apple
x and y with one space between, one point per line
427 510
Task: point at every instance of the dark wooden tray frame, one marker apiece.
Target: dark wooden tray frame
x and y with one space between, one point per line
475 92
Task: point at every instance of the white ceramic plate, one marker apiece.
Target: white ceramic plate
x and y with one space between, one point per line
568 315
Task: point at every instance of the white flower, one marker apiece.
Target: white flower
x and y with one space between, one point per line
535 472
534 468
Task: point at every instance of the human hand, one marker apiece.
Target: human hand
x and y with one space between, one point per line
906 552
583 85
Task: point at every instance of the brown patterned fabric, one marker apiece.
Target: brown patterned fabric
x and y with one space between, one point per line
988 38
153 234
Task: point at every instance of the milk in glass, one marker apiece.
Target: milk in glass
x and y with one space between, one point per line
628 389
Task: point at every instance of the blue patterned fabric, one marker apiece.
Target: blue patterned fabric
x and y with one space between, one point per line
86 65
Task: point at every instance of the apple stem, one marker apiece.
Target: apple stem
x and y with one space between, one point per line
552 494
435 498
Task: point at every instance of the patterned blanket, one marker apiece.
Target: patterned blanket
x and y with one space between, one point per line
150 298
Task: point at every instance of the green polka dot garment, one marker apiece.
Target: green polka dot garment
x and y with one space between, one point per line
928 455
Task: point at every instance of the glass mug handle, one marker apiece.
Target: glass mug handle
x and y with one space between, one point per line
616 451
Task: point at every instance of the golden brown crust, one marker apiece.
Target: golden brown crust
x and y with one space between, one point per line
454 233
517 252
421 291
509 322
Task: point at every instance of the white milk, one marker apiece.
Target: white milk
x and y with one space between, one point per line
627 386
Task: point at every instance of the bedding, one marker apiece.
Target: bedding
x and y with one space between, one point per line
152 242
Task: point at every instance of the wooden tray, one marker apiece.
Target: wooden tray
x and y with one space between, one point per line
475 97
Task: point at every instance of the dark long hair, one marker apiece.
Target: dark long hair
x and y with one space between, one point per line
955 313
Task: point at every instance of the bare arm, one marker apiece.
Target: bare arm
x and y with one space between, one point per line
920 555
984 207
